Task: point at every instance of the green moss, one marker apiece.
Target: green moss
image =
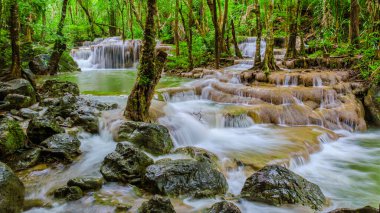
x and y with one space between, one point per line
12 137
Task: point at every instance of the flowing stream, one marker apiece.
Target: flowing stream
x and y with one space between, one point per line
345 164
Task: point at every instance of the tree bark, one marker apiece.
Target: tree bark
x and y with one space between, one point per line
14 29
151 66
214 15
257 59
188 36
59 46
269 62
112 27
291 50
237 50
176 28
90 21
224 25
354 23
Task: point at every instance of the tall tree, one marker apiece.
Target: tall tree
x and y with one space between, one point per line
354 23
60 45
257 11
176 28
214 15
237 50
14 29
291 50
269 62
150 69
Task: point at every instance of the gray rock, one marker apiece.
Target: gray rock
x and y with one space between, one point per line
69 193
153 138
57 89
28 113
372 104
12 191
277 185
17 101
198 154
224 207
184 177
12 137
25 159
40 129
17 86
86 183
127 164
60 147
157 204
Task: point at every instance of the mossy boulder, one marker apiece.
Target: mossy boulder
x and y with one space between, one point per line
24 159
40 129
198 154
157 204
153 138
86 183
16 94
17 101
12 137
184 177
57 89
69 193
126 164
224 207
372 104
12 191
276 185
39 64
60 147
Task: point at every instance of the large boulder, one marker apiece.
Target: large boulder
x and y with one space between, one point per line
86 183
40 129
157 204
198 154
127 164
39 64
56 89
12 191
12 137
277 185
17 101
372 104
153 138
24 159
60 147
224 207
16 94
184 177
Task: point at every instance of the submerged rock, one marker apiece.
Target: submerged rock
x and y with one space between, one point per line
154 138
367 209
157 204
69 193
12 137
60 147
126 164
86 183
185 177
12 191
40 129
277 185
224 207
56 89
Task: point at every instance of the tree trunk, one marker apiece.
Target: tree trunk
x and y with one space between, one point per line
14 29
291 51
354 23
137 16
28 36
112 27
269 63
224 25
176 28
90 21
237 50
149 73
212 6
188 37
59 46
257 59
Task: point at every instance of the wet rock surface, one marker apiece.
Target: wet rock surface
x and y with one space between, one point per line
24 159
224 207
126 164
372 103
68 193
157 204
16 94
86 183
184 177
153 138
277 186
12 191
60 147
56 89
367 209
198 154
12 137
41 128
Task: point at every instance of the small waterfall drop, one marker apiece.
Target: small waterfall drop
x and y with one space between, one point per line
248 47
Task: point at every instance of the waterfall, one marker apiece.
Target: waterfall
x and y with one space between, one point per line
248 47
108 53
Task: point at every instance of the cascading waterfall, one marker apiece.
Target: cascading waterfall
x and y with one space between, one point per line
109 53
248 47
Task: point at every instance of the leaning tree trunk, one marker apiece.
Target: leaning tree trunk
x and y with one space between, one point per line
149 73
354 23
59 46
176 28
269 63
212 6
237 50
257 60
291 50
14 29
